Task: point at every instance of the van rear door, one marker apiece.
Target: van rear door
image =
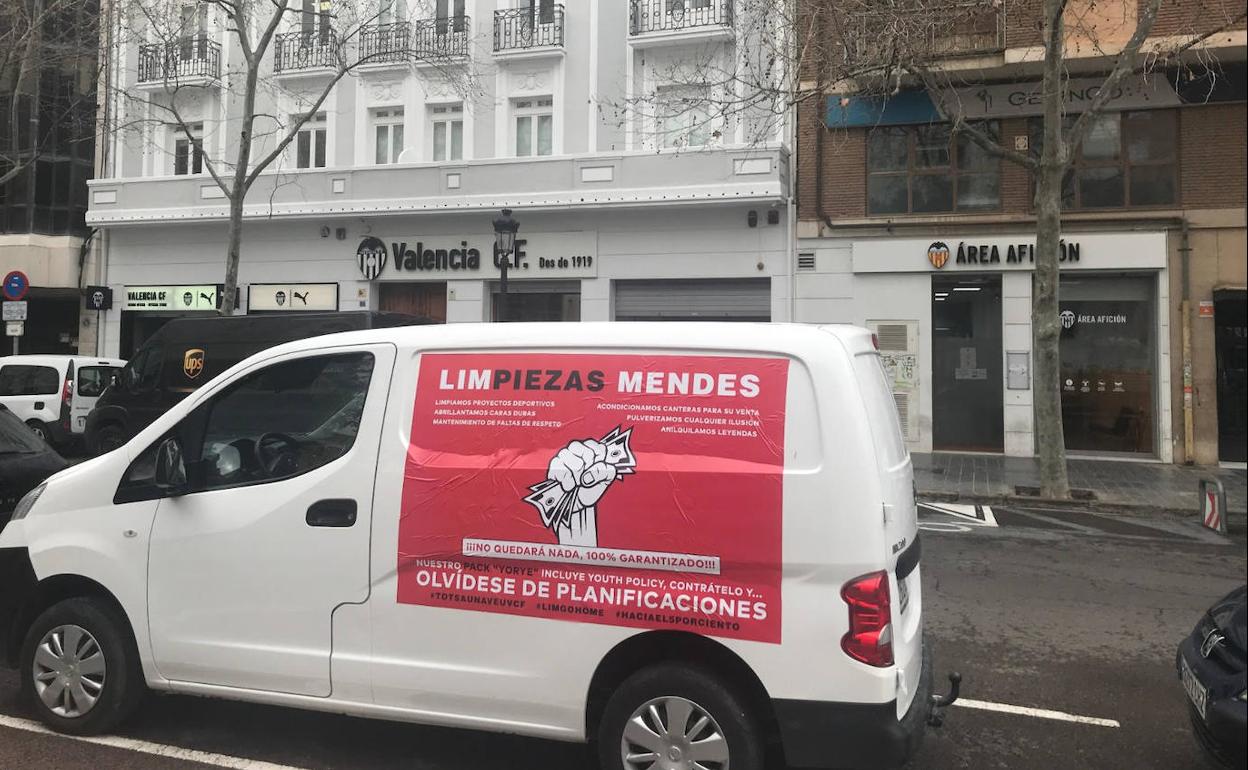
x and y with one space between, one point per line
900 517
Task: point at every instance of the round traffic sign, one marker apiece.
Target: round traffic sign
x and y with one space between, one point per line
15 285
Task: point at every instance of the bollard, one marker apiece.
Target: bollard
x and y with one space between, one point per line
1213 505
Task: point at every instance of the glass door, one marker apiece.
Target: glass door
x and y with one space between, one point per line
967 400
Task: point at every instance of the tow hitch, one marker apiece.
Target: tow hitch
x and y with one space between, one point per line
936 717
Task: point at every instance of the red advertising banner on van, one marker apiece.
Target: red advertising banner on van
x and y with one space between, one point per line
629 490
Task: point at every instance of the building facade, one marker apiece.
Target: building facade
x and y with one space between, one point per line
47 100
918 233
385 200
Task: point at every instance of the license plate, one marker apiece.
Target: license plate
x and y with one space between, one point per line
1196 692
82 422
903 595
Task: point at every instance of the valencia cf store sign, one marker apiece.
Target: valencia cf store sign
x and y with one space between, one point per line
550 255
1003 255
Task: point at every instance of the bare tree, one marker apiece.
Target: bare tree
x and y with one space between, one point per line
177 48
875 49
48 72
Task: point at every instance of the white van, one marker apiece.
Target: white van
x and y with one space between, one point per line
685 542
54 394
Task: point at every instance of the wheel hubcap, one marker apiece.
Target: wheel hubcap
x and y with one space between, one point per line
69 671
673 733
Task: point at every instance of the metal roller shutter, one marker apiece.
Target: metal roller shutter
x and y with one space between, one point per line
730 299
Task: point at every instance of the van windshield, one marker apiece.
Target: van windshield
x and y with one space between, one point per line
877 396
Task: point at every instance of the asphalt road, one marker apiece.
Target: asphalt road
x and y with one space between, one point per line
1056 610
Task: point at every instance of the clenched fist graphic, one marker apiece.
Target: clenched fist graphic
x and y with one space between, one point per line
577 478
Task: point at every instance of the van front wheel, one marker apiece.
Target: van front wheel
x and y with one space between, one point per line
673 717
110 437
79 667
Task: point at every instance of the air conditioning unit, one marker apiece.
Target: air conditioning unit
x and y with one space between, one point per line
899 352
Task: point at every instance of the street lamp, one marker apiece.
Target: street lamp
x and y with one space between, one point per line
505 229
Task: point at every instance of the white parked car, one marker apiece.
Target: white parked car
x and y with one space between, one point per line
679 540
54 394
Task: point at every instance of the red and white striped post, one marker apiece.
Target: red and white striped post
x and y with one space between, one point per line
1213 505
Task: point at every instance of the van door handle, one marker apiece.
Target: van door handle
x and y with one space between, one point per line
332 513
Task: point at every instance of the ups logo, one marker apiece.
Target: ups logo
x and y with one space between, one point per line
193 363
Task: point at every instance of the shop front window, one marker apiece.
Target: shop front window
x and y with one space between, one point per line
539 301
1108 360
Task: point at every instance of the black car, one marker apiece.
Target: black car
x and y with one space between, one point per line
25 461
1211 665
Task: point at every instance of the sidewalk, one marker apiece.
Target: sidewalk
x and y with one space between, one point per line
947 476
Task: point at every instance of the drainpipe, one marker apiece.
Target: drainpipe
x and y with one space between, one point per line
819 212
1185 310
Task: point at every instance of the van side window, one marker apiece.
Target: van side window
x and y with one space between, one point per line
92 380
283 421
27 380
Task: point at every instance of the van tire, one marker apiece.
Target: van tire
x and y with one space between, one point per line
728 710
108 438
123 684
41 430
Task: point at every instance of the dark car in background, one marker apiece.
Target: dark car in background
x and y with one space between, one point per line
186 353
1211 666
25 461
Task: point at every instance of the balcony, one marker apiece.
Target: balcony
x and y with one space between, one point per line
647 17
532 29
436 41
193 60
304 52
386 44
627 180
959 28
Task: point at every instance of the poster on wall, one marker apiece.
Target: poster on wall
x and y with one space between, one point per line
626 490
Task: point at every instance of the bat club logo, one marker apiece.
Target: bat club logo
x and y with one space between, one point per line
372 257
938 254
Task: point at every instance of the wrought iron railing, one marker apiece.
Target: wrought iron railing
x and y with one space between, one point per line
443 38
386 43
931 28
296 51
189 57
668 15
537 26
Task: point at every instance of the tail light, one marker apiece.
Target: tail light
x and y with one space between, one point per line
870 635
875 341
67 396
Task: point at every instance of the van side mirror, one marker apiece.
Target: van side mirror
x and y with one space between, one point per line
170 471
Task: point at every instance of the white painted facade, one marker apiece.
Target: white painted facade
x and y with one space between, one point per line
608 189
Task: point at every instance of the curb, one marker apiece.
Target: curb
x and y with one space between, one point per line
1086 505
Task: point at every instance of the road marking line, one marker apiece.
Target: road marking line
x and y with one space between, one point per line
1060 716
980 515
145 747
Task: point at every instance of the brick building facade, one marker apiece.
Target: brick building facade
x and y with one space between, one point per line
922 236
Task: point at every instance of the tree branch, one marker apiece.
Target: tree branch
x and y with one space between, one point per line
1123 64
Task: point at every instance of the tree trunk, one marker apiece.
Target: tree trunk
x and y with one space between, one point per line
234 241
1045 325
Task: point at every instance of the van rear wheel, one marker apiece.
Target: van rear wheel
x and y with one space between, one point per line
40 430
674 717
80 669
